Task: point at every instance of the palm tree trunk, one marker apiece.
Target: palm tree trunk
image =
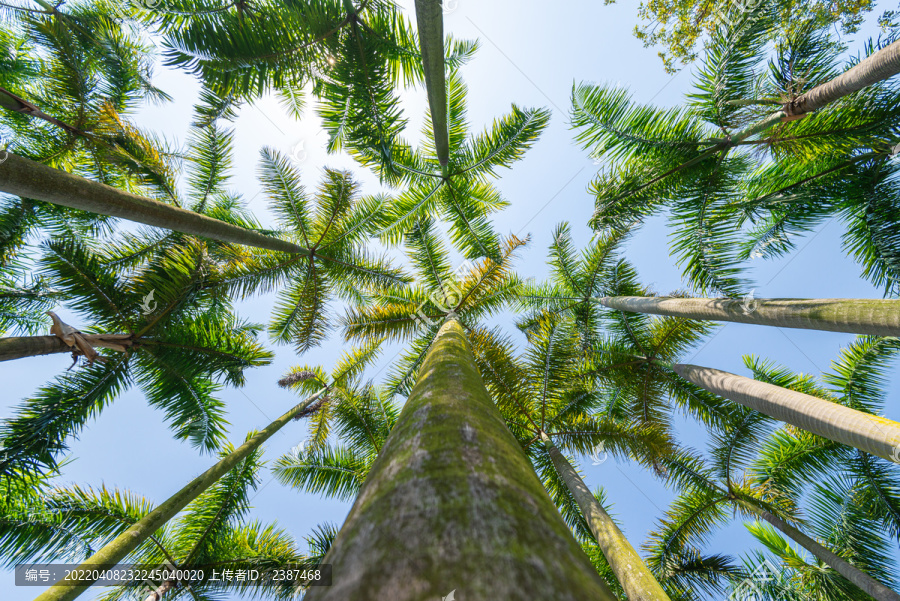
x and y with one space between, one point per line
869 433
163 588
880 66
430 25
31 346
452 504
866 583
116 550
23 177
630 570
34 346
876 317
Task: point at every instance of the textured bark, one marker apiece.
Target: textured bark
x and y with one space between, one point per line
880 66
23 177
628 567
161 590
865 582
117 549
31 346
452 503
430 25
857 316
34 346
869 433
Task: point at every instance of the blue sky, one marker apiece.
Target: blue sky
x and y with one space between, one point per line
530 55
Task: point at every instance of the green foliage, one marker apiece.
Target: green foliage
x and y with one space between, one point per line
678 26
335 228
736 182
461 192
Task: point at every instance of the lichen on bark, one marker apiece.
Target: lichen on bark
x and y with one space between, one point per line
452 503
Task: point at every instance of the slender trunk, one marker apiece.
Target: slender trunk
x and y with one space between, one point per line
131 539
163 588
869 433
31 346
23 177
452 503
880 66
34 346
877 317
430 25
866 583
630 570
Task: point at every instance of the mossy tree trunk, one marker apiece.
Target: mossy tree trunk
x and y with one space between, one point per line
866 432
119 548
866 583
23 177
630 570
876 317
452 504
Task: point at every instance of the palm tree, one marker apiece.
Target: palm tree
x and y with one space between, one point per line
165 299
430 25
450 471
547 395
24 302
23 177
576 281
866 432
65 338
792 459
87 71
711 488
833 161
355 55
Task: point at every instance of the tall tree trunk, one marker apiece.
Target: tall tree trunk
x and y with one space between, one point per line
34 346
31 346
23 177
869 433
452 504
865 582
880 66
430 25
117 549
877 317
630 570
